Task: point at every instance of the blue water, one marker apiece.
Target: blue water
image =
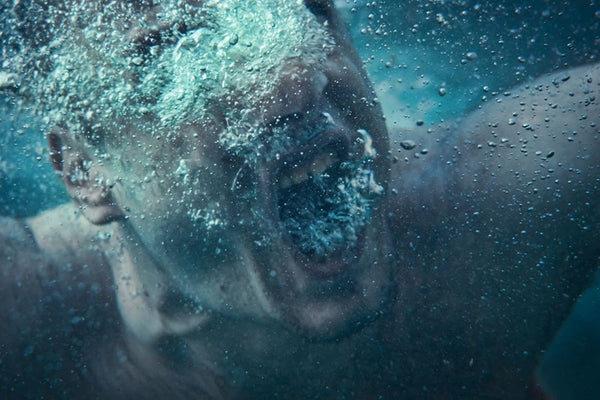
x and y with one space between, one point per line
573 359
28 183
429 61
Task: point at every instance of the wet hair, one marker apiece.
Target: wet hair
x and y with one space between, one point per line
92 65
99 67
34 36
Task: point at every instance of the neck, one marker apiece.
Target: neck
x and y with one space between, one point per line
150 307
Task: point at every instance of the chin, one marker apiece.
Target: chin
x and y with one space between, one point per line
329 298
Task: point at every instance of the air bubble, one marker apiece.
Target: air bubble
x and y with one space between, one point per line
471 55
408 144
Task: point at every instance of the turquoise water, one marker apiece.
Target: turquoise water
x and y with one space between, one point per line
573 360
429 61
28 183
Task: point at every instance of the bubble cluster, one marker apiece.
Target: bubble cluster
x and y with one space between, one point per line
326 214
163 64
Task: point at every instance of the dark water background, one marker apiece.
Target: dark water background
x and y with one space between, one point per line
414 50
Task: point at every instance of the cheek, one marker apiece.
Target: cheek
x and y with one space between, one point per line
174 193
181 211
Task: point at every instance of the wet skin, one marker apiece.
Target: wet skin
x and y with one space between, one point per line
440 298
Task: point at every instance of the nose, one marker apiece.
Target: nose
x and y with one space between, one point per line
298 90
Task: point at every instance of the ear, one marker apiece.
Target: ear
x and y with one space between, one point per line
82 177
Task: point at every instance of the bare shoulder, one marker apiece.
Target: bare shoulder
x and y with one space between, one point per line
535 147
496 227
56 314
560 110
21 261
17 246
66 237
548 128
56 242
546 101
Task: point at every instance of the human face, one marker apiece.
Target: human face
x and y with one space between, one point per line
287 226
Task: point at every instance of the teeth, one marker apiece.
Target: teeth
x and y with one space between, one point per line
301 173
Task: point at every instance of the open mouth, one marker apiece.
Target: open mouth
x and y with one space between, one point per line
321 184
325 199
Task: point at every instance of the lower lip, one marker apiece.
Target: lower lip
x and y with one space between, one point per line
333 265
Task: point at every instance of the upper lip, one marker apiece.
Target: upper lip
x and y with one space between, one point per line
311 156
308 161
